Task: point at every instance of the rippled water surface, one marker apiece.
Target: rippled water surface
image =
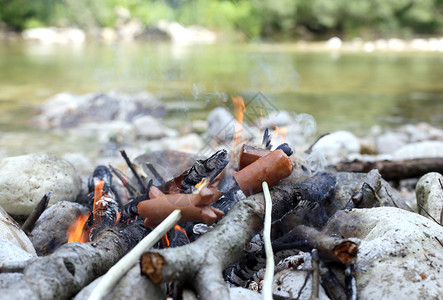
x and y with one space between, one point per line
342 90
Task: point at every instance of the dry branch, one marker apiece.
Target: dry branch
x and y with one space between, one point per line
307 238
62 274
395 170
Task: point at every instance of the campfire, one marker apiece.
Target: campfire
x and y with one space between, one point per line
218 226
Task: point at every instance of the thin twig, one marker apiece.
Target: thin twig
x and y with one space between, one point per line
303 286
309 150
429 215
441 243
155 173
315 275
350 289
269 274
132 190
373 192
129 260
36 213
131 166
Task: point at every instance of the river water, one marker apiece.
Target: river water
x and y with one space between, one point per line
341 90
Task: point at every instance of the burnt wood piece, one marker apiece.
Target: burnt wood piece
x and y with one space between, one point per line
36 213
207 168
308 205
71 267
267 140
395 170
307 238
204 260
129 211
242 272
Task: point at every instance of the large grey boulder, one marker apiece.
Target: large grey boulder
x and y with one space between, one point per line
429 193
25 179
66 110
399 257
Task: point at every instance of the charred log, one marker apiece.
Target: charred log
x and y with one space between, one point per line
395 170
208 168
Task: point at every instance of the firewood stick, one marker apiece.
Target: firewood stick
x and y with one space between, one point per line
129 260
395 170
36 213
269 274
306 238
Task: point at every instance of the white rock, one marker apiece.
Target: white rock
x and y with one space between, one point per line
278 118
238 293
419 150
10 252
399 256
11 231
334 43
186 35
221 124
429 194
106 131
151 128
288 283
337 146
390 142
53 35
190 143
25 179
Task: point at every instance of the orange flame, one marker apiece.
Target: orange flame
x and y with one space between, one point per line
165 239
76 231
280 133
179 228
239 110
97 205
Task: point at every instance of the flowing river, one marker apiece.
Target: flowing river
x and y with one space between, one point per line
341 90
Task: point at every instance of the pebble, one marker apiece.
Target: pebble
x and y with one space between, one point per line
25 179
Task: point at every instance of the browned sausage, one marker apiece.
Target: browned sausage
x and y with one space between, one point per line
270 168
249 154
160 206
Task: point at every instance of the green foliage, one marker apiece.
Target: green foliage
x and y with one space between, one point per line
287 18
